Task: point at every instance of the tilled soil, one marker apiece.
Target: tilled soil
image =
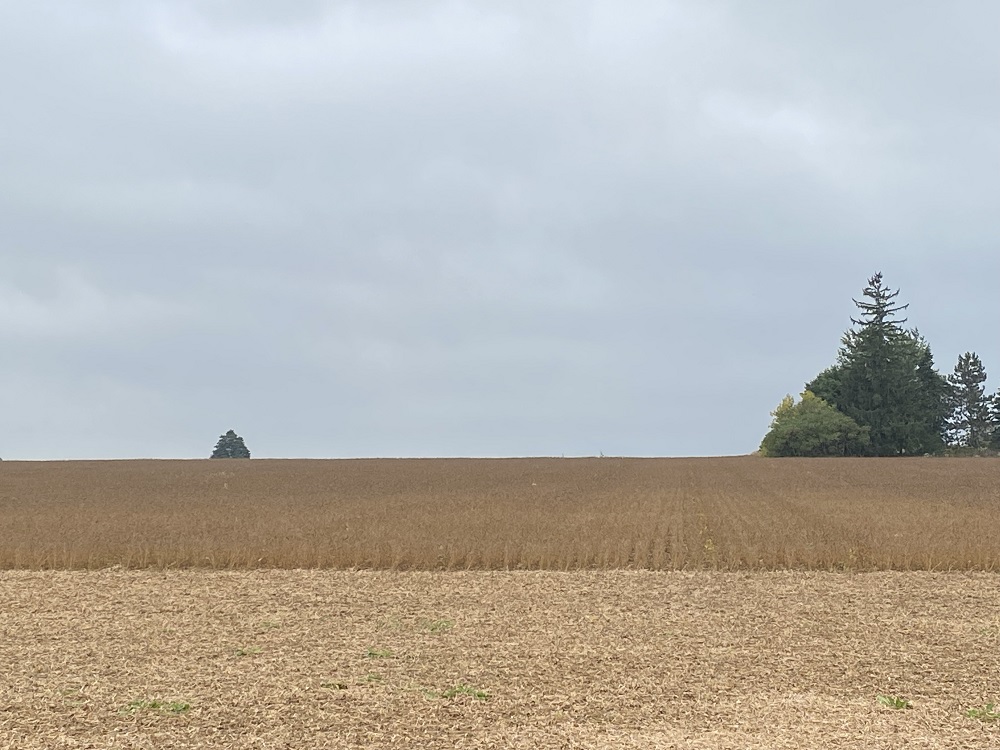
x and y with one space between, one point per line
313 659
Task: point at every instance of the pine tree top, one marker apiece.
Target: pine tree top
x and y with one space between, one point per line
881 308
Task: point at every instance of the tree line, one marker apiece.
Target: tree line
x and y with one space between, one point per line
884 397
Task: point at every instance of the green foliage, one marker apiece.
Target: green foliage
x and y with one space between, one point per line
826 385
989 713
885 380
173 707
894 702
454 692
971 419
230 445
931 401
812 428
995 411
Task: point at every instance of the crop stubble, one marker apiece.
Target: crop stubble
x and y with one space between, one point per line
743 513
587 659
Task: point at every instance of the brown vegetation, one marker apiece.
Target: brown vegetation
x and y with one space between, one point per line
721 513
589 659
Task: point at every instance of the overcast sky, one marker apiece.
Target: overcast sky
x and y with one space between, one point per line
387 228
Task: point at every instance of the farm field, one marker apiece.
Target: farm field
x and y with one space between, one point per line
532 603
498 659
743 513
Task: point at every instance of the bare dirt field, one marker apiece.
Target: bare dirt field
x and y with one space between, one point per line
743 513
488 659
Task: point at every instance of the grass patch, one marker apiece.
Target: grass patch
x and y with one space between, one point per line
377 653
988 713
460 690
894 702
171 707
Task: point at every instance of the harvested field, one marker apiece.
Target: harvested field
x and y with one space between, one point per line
743 513
479 659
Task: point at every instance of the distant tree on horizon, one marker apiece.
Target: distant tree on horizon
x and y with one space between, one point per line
884 379
971 421
812 427
230 445
995 413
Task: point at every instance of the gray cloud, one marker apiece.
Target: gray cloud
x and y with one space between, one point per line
447 228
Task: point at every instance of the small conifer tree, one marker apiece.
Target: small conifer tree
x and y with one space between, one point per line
971 422
230 445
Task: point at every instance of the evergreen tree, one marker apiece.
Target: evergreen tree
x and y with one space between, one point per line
884 379
230 445
971 420
995 412
928 430
826 385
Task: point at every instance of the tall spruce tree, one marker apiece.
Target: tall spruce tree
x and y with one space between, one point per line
230 445
884 378
971 419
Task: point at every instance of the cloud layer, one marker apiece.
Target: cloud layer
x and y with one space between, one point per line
455 228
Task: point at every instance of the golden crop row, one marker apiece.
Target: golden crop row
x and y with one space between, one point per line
534 513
